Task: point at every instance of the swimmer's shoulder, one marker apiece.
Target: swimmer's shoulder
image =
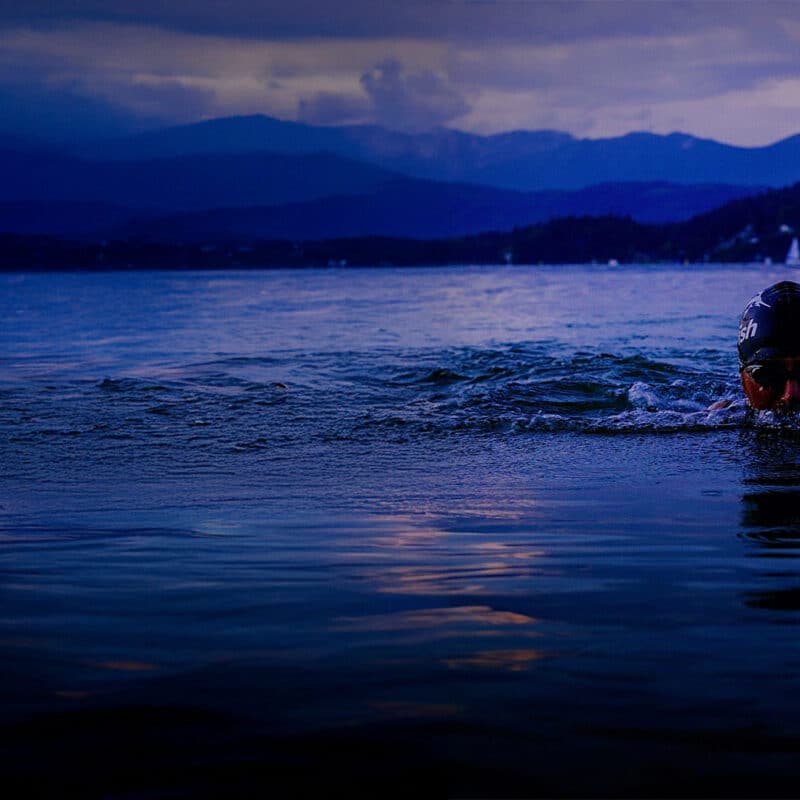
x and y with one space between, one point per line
730 404
726 403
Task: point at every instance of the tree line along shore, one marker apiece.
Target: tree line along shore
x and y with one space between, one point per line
754 228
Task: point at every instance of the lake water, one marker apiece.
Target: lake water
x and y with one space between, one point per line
451 532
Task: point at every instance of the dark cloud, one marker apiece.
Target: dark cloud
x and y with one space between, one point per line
411 101
750 73
629 70
249 18
521 20
392 96
585 66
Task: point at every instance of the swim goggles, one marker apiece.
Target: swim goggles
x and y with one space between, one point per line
772 374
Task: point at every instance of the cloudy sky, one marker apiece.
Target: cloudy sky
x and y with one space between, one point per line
723 69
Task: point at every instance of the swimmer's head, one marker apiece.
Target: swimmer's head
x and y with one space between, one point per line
769 348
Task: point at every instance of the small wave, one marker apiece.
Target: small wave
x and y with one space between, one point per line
532 391
641 395
118 384
237 361
785 423
780 539
442 377
514 389
668 421
164 410
33 535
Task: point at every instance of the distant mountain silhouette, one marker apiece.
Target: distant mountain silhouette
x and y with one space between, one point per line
300 195
258 177
520 160
185 182
427 210
69 220
677 158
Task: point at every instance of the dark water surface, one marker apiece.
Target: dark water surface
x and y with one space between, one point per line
465 532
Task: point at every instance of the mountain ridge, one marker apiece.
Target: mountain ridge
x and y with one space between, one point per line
320 194
190 182
521 160
429 210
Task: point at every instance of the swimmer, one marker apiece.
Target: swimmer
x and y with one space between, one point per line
769 349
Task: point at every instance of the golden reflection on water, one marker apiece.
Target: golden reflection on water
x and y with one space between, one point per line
503 660
508 550
406 539
448 580
427 618
429 560
127 666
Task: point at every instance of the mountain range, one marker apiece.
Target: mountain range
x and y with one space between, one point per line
249 178
429 210
519 160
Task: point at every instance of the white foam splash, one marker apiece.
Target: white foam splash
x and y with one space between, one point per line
642 395
777 421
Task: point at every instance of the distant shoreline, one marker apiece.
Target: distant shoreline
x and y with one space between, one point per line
726 235
100 269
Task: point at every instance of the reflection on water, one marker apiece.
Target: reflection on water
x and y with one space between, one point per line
127 666
771 497
510 660
773 516
497 646
447 619
771 520
456 532
776 600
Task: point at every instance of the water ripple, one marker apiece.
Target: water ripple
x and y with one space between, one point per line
244 404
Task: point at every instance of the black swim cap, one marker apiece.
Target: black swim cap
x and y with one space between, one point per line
770 324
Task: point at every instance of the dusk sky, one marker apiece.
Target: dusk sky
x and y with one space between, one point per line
720 69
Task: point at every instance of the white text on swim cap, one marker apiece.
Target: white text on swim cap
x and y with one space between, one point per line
748 331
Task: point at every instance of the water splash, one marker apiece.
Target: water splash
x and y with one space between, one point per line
539 388
518 388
